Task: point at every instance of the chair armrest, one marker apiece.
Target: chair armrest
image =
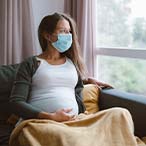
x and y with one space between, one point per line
136 104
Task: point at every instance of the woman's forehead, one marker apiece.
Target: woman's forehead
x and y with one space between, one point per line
63 23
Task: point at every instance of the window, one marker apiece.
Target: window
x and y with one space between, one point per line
121 44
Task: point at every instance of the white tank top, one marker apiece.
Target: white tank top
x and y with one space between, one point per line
53 87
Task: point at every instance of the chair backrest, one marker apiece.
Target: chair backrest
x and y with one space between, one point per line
7 75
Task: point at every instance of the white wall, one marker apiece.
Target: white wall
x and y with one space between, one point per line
42 8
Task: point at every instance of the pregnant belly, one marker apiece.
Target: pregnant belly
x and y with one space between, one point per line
53 104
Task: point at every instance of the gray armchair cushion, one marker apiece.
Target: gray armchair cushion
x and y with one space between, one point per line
136 104
7 75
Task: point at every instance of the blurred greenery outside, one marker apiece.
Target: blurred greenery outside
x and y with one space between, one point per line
117 28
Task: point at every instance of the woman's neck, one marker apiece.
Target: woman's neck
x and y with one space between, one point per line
51 54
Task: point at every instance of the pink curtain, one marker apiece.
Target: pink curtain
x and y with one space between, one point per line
83 11
16 31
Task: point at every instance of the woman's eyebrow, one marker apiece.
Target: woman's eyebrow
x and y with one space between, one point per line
63 28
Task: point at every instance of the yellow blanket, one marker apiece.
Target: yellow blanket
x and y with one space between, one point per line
112 127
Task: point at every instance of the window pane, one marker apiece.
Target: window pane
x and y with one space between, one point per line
123 73
121 23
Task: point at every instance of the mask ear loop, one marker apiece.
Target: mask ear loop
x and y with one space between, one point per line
48 37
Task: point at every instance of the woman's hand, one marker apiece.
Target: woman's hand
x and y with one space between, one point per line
99 84
60 115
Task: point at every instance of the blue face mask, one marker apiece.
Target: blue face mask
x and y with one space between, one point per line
63 43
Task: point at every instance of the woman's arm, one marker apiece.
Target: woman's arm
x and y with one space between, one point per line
78 94
21 90
91 80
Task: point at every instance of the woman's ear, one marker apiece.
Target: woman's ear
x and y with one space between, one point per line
47 36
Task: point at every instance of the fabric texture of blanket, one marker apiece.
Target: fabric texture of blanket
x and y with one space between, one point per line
112 127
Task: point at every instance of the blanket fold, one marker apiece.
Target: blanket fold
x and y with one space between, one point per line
112 127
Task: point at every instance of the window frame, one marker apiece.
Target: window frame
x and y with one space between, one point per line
121 52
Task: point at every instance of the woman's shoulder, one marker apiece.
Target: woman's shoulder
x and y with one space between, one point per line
29 64
29 60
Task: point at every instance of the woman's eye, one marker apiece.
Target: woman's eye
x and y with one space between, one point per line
64 31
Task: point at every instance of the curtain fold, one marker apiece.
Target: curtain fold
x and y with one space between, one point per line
16 31
83 12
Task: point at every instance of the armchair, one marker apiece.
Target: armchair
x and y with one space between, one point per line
108 98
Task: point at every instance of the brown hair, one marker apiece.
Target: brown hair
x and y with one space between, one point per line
48 24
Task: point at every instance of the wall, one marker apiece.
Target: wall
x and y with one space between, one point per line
42 8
